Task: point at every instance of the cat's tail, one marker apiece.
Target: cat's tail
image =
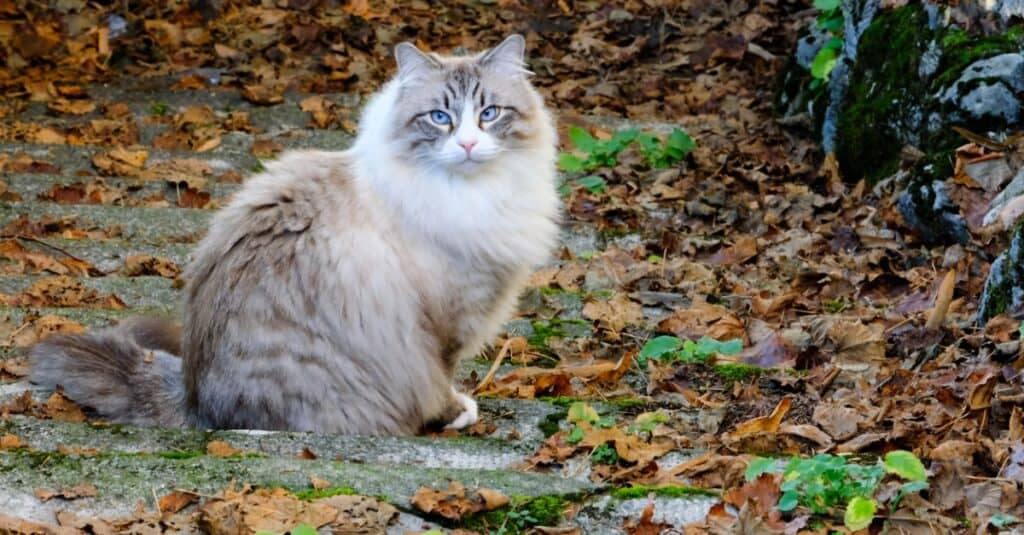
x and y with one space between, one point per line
129 373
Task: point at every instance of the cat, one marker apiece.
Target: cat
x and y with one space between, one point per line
337 291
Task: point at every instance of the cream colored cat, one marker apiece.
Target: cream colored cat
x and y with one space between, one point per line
337 290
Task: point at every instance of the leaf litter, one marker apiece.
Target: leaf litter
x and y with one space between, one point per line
856 338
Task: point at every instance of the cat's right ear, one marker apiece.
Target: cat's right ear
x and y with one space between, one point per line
412 61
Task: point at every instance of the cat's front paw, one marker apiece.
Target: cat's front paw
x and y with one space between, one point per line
468 416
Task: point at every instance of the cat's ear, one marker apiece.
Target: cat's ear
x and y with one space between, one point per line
507 57
412 61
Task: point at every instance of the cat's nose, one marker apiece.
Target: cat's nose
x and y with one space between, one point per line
467 145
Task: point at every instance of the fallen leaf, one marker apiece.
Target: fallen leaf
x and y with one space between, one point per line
147 265
10 442
84 490
220 448
176 501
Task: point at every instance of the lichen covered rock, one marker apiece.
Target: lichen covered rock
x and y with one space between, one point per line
914 79
1004 288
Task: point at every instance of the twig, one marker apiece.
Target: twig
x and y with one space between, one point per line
489 378
50 245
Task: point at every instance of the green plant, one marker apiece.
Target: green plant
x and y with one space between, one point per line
826 482
605 454
646 422
580 412
672 349
830 20
595 153
158 108
834 306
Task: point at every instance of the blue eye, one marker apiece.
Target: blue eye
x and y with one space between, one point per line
440 117
490 113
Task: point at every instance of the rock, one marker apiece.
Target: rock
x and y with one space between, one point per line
1008 68
1012 190
809 45
991 101
1004 288
928 210
915 77
987 88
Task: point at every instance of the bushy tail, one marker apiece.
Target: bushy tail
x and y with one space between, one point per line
129 373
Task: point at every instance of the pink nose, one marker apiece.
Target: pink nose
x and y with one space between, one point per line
467 145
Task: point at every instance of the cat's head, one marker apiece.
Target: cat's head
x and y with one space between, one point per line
461 113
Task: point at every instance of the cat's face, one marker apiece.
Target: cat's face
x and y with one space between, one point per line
460 113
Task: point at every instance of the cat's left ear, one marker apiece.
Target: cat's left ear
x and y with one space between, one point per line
412 61
507 57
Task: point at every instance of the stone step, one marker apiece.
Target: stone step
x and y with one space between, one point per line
135 292
154 225
122 480
109 255
31 185
143 102
518 416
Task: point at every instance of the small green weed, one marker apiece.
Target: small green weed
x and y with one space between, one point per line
831 21
158 108
591 153
605 454
581 412
826 482
672 349
646 422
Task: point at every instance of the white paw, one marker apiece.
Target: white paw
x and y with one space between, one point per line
468 416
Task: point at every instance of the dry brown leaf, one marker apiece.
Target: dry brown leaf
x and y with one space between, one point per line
220 448
645 525
60 407
455 502
74 107
63 291
262 510
193 198
147 265
84 490
120 162
176 501
763 424
18 526
262 95
10 442
614 314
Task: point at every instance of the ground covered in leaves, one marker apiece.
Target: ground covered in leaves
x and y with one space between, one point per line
714 302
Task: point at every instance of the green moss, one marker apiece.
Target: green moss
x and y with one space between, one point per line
558 291
554 328
882 87
551 423
960 49
315 494
738 373
520 516
997 295
668 491
622 403
180 454
888 102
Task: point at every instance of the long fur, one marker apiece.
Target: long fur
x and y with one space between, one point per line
337 290
128 373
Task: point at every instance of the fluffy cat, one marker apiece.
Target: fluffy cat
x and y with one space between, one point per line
337 290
